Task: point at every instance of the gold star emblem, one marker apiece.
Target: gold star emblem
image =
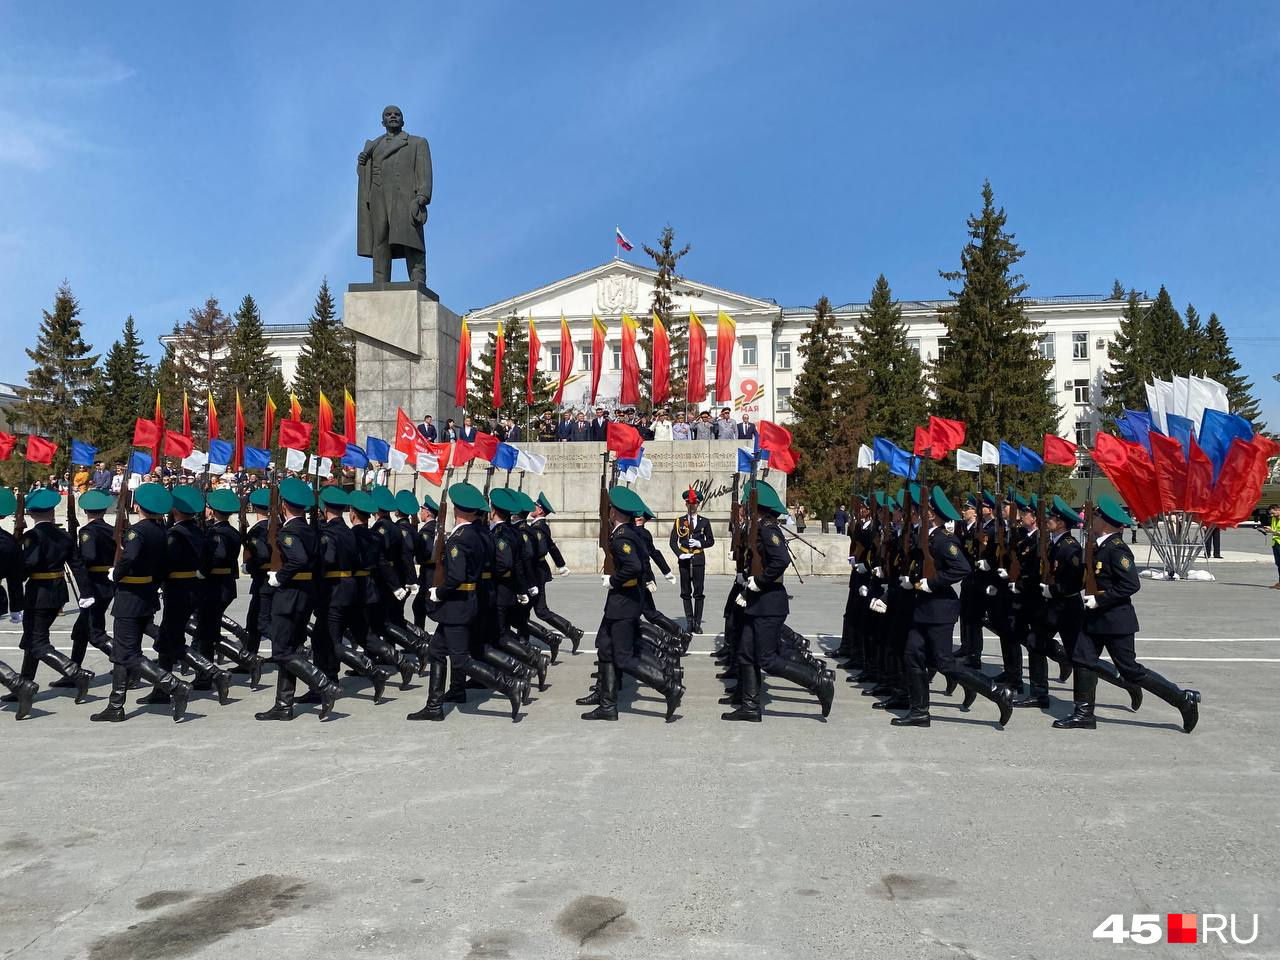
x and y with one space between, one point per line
626 548
133 535
774 539
288 541
953 550
1124 562
453 552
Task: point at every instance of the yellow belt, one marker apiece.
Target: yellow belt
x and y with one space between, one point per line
506 575
465 586
221 571
337 574
487 575
134 580
362 573
693 550
182 575
53 575
106 569
301 576
631 583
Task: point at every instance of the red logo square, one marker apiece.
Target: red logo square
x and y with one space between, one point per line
1181 927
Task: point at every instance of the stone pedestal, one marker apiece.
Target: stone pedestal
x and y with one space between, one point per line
406 354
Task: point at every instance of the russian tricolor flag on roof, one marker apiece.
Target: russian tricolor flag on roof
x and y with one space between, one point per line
621 238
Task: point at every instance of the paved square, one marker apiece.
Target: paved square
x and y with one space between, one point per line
476 838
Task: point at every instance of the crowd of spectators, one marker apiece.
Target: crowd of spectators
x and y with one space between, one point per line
586 425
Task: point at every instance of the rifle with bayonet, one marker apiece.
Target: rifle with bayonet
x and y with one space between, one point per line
437 551
1090 542
607 563
273 530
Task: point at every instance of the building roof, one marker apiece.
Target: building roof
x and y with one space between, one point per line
925 305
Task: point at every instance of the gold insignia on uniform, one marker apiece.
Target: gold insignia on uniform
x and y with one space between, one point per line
953 550
774 539
132 535
453 552
1098 567
288 541
84 538
626 548
1124 562
502 544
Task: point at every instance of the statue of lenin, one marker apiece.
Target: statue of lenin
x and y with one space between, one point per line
395 187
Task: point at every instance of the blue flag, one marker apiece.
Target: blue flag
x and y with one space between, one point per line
1009 456
140 463
903 464
1217 430
256 458
1182 430
375 448
629 464
506 457
1029 461
354 457
882 450
1135 426
745 460
219 452
83 455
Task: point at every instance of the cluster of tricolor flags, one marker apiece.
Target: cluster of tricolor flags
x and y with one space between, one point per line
660 343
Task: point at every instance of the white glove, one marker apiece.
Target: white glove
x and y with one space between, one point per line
1014 587
686 556
879 606
1091 603
923 586
244 568
113 575
877 572
861 568
400 592
604 579
740 579
413 589
693 544
984 566
433 594
752 585
522 599
652 585
741 600
990 591
852 561
562 571
87 602
671 577
1046 592
199 575
533 591
1002 573
16 616
905 583
862 591
273 579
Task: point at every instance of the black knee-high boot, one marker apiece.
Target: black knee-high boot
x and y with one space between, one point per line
114 711
918 701
176 692
748 691
434 709
286 685
607 689
23 690
1084 689
495 680
1187 702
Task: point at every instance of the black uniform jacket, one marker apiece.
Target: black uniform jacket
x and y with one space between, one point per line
1118 581
98 550
464 556
144 563
46 548
771 598
626 585
339 560
296 593
950 566
682 532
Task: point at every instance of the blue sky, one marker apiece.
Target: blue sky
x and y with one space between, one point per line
154 155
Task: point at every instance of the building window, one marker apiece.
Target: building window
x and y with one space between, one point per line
711 353
1079 346
1084 433
584 357
784 399
616 349
277 364
1081 390
553 357
748 351
1046 346
943 344
784 356
914 344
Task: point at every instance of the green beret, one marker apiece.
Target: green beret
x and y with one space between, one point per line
1034 503
224 501
1021 501
43 499
187 499
544 503
363 503
153 498
941 505
880 498
1063 511
505 499
644 508
429 502
467 497
334 496
626 500
913 491
1114 512
526 502
260 497
766 497
8 502
989 498
95 501
970 500
383 498
898 500
296 493
406 502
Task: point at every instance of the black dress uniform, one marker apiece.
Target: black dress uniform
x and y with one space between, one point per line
257 556
691 536
97 551
218 589
548 559
424 546
511 583
973 599
10 573
652 555
368 610
46 550
337 609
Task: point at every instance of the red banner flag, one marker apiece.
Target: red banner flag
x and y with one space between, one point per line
177 444
486 445
726 339
1146 488
324 414
332 444
268 422
146 433
784 460
348 416
1059 452
945 436
186 415
159 420
499 351
464 452
697 383
40 450
773 437
535 351
464 367
598 333
566 359
623 440
1112 457
1231 499
1199 479
629 393
7 442
295 408
1171 472
661 362
237 451
407 435
211 417
920 447
295 434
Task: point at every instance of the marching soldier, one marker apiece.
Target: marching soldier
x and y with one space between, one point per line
137 575
257 555
292 605
219 574
764 604
652 555
973 589
1111 624
853 626
21 690
408 507
424 544
97 549
366 618
511 583
690 536
548 561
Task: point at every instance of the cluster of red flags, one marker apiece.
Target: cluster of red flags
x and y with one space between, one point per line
39 450
939 438
776 440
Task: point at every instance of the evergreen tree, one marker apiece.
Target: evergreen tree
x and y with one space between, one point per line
328 360
1117 291
515 369
251 370
1166 345
990 374
1221 365
662 302
1197 343
889 367
124 391
1122 382
202 358
57 402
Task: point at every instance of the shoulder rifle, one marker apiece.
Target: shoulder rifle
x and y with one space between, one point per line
123 504
1042 542
437 551
927 568
1090 542
273 529
753 530
607 563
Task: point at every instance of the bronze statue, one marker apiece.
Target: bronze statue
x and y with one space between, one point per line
395 188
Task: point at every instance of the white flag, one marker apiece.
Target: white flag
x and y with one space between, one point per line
217 469
196 462
1153 405
968 462
1181 396
294 460
1164 404
534 462
866 459
322 467
1206 394
990 454
428 463
398 461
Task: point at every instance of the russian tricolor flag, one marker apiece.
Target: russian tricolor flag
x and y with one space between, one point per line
621 238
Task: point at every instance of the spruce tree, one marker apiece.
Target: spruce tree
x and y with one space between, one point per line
124 391
991 374
1122 382
1221 365
515 367
1117 291
57 402
662 302
202 357
890 368
328 360
251 370
1166 346
1196 341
